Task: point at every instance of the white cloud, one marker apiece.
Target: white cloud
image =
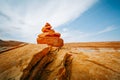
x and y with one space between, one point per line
27 16
74 35
107 29
78 36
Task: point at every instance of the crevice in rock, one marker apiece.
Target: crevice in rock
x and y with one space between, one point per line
39 68
34 63
45 73
68 66
103 66
64 72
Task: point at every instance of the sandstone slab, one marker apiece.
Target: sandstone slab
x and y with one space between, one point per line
70 62
13 62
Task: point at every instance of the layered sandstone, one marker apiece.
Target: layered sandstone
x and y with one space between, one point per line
80 61
50 37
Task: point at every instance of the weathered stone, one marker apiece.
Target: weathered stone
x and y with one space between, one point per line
99 61
57 41
16 61
50 37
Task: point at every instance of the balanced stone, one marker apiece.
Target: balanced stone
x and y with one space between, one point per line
50 37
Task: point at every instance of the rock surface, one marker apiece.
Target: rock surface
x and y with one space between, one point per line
50 37
73 61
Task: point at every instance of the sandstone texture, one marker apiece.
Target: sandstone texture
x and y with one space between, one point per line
73 61
50 37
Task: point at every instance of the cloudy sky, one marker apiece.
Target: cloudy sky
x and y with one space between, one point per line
76 20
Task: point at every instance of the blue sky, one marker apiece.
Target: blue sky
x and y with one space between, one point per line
76 20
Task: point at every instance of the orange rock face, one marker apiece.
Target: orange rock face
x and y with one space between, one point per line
50 37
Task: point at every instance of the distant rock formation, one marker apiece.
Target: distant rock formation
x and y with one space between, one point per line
73 61
50 37
9 44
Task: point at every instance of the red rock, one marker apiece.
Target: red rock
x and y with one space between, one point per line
54 41
50 37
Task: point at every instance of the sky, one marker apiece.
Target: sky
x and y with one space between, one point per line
76 20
